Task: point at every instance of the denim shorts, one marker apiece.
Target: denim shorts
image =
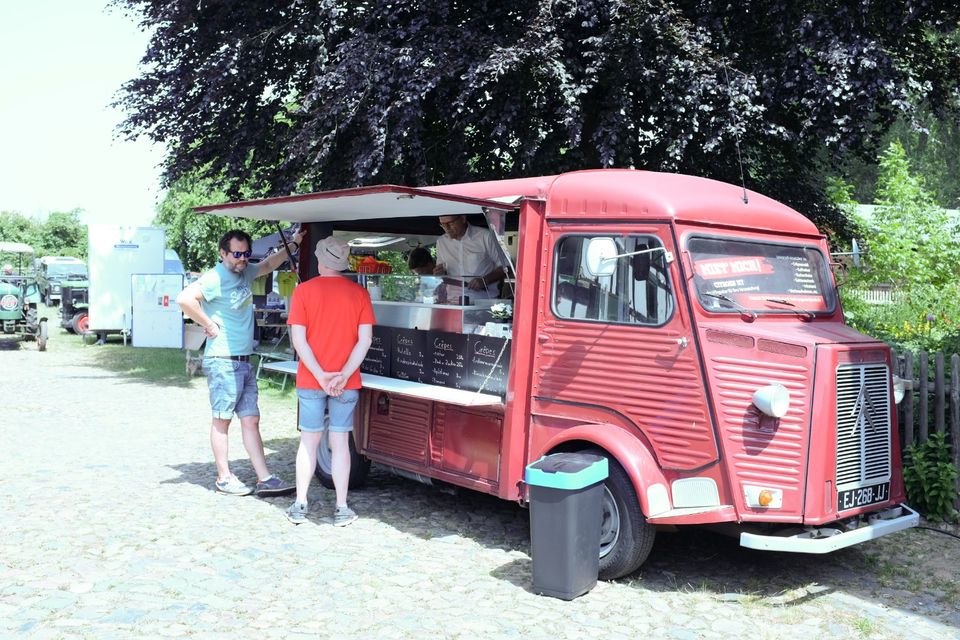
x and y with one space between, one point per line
233 388
315 402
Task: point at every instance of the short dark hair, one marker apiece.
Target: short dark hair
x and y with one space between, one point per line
235 234
419 257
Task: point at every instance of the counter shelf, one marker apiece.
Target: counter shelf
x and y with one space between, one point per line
408 388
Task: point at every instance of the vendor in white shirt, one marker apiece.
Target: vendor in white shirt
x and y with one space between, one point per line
472 253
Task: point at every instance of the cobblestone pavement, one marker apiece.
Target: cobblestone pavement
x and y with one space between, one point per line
111 530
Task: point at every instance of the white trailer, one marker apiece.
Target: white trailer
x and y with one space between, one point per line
117 254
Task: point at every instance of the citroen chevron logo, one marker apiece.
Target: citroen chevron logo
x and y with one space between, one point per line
864 410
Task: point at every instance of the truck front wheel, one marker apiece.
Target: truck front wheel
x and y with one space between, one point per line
359 465
625 535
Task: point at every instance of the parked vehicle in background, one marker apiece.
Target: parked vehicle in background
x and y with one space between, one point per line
53 271
19 300
74 301
171 262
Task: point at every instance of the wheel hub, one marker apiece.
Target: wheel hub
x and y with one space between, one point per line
610 524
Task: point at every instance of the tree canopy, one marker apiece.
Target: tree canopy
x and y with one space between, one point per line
60 234
284 96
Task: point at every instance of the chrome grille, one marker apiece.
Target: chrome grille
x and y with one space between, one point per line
863 424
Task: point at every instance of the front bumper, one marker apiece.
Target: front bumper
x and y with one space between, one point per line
827 539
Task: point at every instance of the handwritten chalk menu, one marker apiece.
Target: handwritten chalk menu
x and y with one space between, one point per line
449 354
377 360
488 364
409 356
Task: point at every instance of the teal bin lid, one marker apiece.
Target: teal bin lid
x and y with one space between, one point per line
567 471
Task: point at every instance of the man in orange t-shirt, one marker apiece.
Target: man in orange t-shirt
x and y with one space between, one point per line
331 327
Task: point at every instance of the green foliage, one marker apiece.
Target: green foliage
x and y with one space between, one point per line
923 319
929 476
61 234
193 235
910 240
932 144
287 94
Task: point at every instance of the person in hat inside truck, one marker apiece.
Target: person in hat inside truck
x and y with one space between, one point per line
471 253
221 301
331 327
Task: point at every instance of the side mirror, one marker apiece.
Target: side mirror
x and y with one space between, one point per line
601 257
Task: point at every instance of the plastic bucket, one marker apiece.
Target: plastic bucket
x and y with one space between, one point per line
193 337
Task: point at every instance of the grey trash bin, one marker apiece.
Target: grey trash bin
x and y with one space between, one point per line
566 492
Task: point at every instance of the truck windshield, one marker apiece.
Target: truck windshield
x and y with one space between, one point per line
63 270
737 276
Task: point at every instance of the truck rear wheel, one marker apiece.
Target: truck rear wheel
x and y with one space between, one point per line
626 537
359 465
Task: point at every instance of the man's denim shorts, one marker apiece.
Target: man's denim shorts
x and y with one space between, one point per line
315 402
233 388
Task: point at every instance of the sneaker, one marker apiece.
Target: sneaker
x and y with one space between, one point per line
274 486
343 516
232 486
297 513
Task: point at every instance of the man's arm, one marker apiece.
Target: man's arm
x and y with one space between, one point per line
298 336
189 300
273 263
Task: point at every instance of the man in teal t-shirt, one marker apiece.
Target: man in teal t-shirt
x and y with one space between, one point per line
221 302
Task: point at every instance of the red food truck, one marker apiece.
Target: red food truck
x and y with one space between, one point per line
688 330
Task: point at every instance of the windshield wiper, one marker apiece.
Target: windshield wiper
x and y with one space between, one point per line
745 313
803 313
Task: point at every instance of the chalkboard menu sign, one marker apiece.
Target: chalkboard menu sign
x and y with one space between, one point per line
408 358
448 359
488 364
454 360
377 361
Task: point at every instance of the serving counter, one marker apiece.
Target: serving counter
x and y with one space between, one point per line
408 388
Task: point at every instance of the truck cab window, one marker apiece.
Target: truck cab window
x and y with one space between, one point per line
637 292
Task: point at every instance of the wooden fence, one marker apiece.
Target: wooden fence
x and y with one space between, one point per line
933 406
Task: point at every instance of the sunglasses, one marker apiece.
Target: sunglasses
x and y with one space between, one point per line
241 254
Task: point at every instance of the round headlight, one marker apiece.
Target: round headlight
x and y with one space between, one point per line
772 400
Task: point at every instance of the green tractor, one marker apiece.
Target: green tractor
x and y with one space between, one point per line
19 300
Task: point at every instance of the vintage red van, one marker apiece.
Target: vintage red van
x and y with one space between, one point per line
687 329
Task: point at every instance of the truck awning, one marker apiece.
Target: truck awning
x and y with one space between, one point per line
363 203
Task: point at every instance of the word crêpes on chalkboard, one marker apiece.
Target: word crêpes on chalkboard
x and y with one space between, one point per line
454 360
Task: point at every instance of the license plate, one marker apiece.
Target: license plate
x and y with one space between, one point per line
862 496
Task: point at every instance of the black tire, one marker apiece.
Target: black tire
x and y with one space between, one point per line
359 465
42 335
626 537
79 323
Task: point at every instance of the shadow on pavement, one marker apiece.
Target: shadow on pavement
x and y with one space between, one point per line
687 560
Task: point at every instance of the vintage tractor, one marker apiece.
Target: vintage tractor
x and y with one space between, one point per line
19 301
74 293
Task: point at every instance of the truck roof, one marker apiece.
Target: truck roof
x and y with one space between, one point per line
590 194
629 193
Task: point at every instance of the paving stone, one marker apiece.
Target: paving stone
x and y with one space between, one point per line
187 562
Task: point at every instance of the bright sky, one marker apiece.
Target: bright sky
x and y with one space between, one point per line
61 62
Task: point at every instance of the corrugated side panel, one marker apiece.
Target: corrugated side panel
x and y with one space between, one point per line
760 450
644 375
402 432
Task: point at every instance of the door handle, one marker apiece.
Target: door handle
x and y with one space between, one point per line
543 338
